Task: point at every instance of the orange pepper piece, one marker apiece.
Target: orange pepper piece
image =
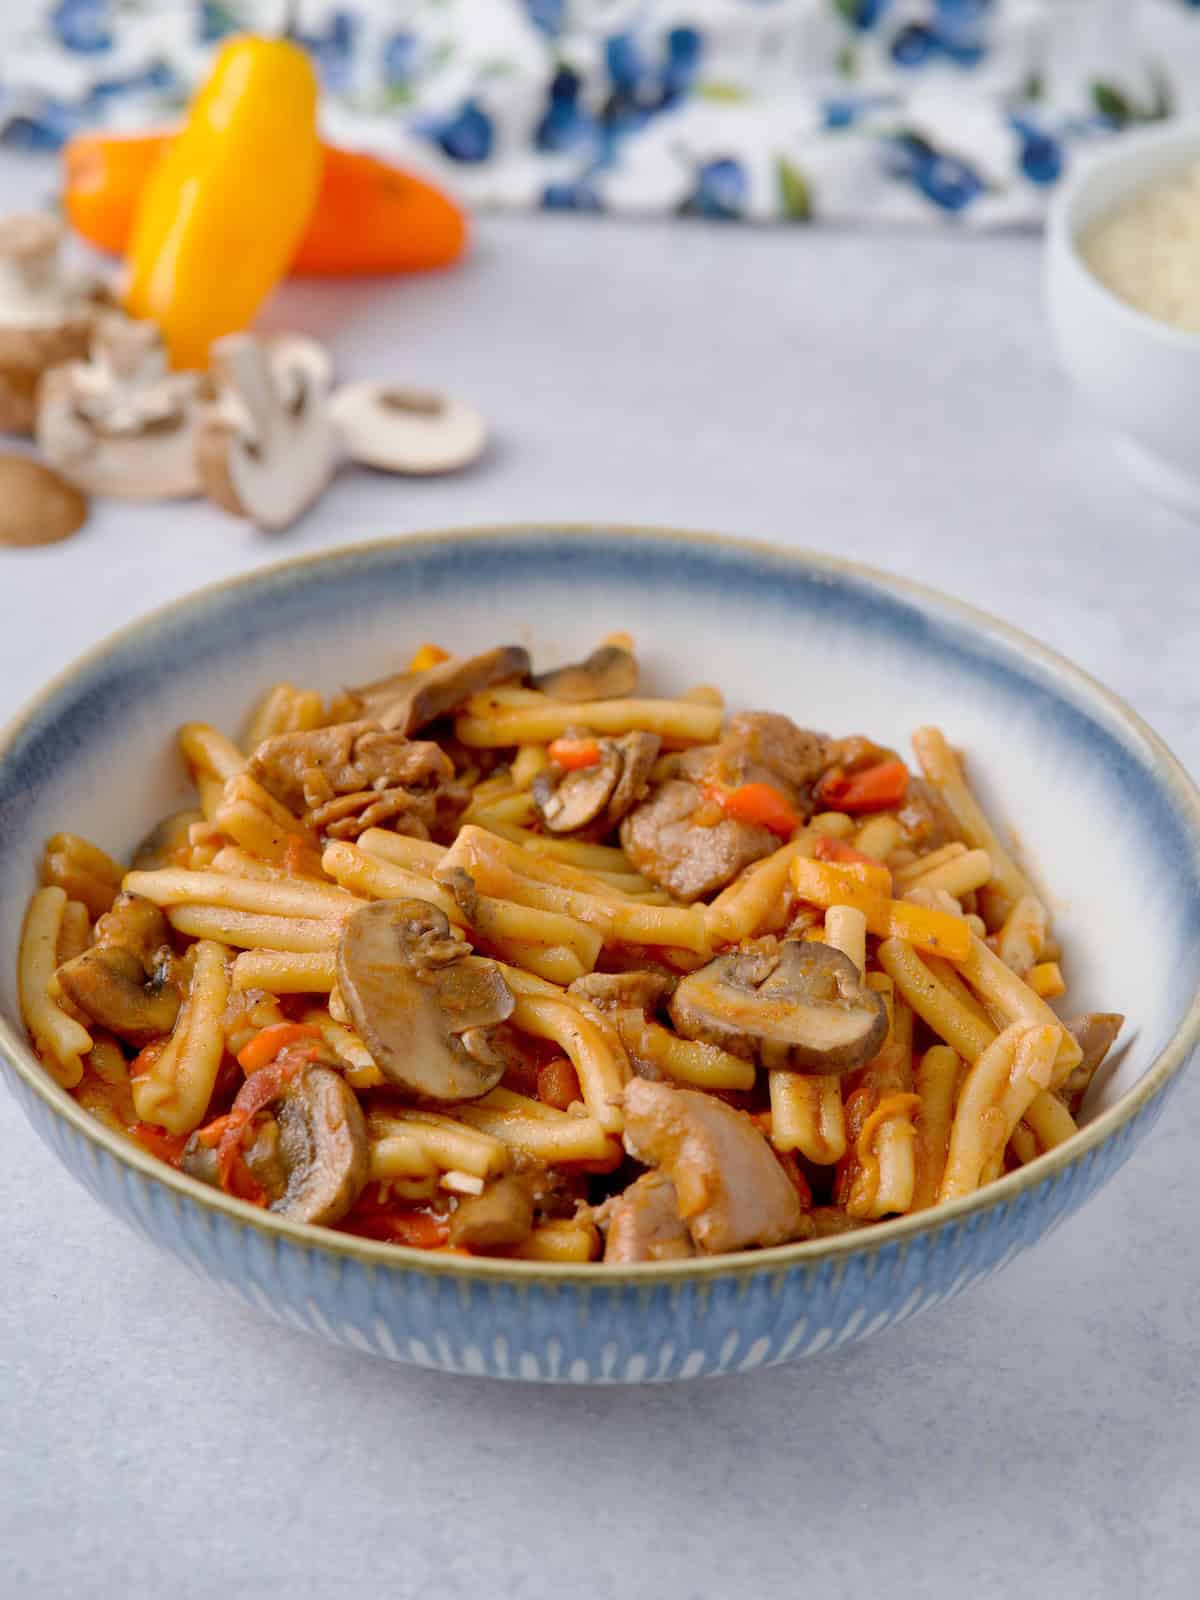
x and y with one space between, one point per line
574 754
370 217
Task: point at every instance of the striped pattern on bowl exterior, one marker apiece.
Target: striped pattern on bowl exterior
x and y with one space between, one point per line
587 1330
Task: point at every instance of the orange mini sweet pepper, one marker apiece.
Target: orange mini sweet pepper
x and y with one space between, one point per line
370 217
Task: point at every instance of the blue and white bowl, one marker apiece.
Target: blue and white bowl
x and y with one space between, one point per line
836 646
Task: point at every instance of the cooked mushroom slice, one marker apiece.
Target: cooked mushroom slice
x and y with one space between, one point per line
1095 1033
125 981
410 701
622 991
159 846
424 1010
310 1154
410 431
600 794
579 797
500 1217
609 673
322 1147
799 1006
730 1189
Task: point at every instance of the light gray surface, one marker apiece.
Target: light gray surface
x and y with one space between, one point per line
890 399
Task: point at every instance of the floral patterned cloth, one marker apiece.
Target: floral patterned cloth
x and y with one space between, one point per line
761 110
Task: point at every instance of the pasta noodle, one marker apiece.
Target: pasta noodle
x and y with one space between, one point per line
380 982
177 1084
942 768
62 1041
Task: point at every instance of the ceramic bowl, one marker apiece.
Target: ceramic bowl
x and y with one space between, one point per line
838 647
1141 376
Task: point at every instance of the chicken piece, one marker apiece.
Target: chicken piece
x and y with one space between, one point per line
926 819
764 747
643 1223
680 840
1095 1033
732 1192
355 775
690 857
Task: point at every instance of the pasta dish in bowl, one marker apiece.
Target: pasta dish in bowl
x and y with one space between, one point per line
492 967
474 959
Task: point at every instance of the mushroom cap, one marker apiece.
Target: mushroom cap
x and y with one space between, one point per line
581 796
410 431
497 1219
601 794
799 1006
609 673
409 701
423 1011
167 836
312 1158
323 1147
109 984
36 505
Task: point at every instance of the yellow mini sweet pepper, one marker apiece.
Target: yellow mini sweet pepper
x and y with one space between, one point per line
223 211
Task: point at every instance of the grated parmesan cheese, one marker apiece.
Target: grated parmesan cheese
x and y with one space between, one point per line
1147 251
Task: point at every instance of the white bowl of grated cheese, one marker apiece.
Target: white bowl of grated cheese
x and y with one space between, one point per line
1123 294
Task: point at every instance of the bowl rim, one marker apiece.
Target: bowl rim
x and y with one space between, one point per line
1062 233
868 1241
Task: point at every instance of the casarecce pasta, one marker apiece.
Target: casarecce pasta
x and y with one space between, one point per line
476 960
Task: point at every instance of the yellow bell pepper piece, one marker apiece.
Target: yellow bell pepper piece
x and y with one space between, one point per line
224 210
826 884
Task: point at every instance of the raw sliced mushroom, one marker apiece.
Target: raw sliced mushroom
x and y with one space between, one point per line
45 317
609 673
427 1014
497 1219
125 982
267 449
310 1155
37 506
798 1006
410 431
409 701
600 794
121 423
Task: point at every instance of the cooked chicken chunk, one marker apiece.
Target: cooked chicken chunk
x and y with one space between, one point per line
678 837
688 857
763 747
643 1223
731 1190
356 775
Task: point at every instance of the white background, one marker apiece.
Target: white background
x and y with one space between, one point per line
888 398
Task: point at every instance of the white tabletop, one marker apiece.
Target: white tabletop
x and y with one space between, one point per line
886 398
